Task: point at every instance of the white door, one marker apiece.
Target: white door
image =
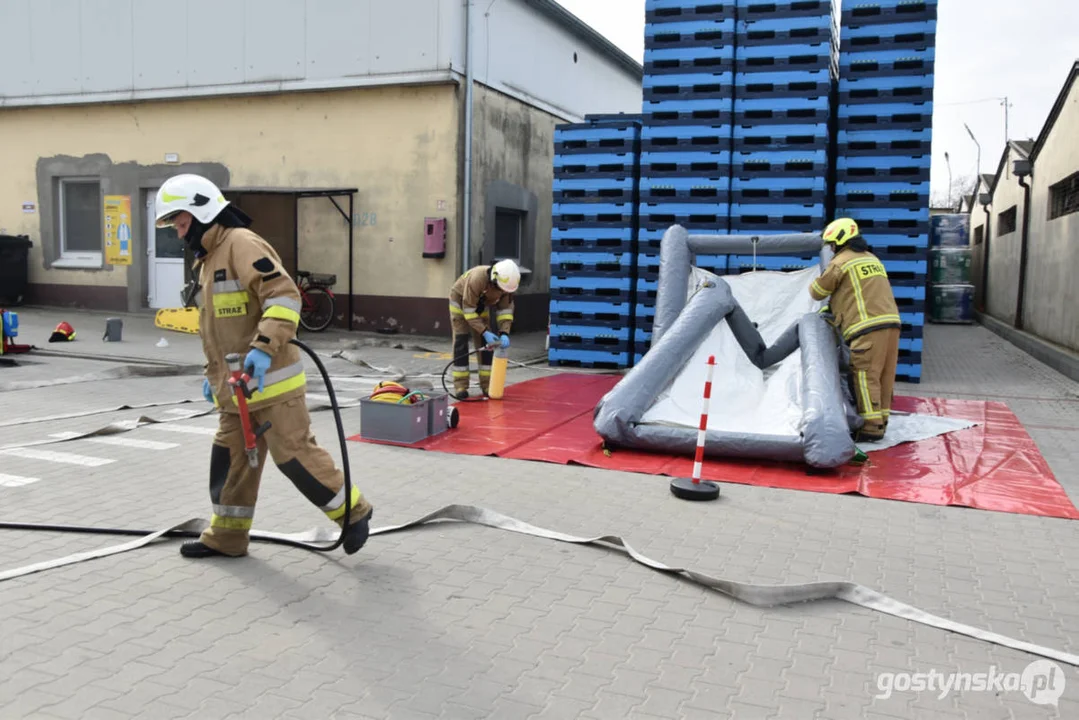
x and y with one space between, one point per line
165 262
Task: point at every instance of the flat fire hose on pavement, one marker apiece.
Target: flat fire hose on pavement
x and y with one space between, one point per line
315 539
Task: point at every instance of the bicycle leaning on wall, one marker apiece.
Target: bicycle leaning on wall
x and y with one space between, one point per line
316 299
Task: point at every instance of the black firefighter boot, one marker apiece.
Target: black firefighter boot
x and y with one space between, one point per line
357 533
196 549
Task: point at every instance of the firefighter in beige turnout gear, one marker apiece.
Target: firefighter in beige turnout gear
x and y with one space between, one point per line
249 305
865 313
482 291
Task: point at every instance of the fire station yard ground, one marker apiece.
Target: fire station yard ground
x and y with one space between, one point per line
462 621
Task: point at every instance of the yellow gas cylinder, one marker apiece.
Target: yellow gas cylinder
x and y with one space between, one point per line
498 374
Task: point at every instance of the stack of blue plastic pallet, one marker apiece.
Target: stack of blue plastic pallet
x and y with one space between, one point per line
594 242
687 137
784 70
885 111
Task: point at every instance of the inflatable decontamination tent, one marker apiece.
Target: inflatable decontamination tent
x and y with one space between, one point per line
780 387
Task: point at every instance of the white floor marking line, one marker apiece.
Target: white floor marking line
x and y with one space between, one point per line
16 480
189 429
58 457
119 441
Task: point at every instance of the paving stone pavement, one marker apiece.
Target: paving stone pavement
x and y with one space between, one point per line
460 621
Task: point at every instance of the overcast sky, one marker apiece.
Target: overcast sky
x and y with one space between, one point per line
986 49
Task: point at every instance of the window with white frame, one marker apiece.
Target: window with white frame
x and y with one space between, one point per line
79 231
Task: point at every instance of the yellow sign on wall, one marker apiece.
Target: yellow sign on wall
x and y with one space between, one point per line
118 229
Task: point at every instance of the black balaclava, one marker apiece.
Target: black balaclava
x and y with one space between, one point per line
230 217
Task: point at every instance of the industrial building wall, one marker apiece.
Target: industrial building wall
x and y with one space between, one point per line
1004 246
1052 294
513 170
399 146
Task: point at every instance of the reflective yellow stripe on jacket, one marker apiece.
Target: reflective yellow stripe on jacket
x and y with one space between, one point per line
282 309
278 382
857 270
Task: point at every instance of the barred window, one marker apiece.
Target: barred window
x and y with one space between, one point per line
1064 197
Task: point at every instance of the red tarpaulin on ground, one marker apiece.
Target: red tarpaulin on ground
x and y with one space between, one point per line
992 466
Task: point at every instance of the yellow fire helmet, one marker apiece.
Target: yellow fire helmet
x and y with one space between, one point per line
841 231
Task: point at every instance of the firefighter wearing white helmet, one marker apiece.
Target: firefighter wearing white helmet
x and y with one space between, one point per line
482 291
249 305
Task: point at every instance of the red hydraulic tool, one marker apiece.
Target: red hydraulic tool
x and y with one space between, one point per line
238 379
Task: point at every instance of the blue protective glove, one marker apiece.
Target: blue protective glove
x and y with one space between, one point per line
207 391
259 362
505 341
489 337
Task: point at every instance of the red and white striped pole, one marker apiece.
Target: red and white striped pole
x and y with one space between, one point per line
694 489
702 431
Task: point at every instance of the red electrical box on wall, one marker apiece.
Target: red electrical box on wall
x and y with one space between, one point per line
434 237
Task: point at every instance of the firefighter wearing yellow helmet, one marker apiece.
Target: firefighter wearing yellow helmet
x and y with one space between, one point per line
866 314
249 305
483 291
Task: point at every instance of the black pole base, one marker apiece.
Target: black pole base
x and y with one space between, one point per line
686 489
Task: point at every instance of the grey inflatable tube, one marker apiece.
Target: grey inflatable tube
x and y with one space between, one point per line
682 324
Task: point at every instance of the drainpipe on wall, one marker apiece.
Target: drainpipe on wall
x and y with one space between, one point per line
985 199
466 245
1021 168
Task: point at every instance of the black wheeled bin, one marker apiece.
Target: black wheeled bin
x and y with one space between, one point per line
14 268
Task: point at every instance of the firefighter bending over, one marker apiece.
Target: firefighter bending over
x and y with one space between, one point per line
249 305
483 290
866 314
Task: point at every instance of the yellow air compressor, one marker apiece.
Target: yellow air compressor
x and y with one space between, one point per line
498 374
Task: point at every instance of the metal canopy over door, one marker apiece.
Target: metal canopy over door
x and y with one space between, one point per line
164 262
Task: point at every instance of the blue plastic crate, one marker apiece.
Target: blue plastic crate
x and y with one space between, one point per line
592 214
812 34
692 216
887 63
750 59
589 137
667 11
598 359
887 12
780 164
883 215
585 264
801 84
569 287
684 164
692 86
689 60
908 373
797 138
910 293
883 195
738 264
756 10
595 337
691 33
598 314
578 239
613 165
914 246
777 218
778 191
782 111
920 35
903 142
686 138
688 112
886 117
694 190
601 190
882 168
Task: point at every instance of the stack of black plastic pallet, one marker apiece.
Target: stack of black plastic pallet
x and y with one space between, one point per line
594 242
686 141
784 57
885 112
